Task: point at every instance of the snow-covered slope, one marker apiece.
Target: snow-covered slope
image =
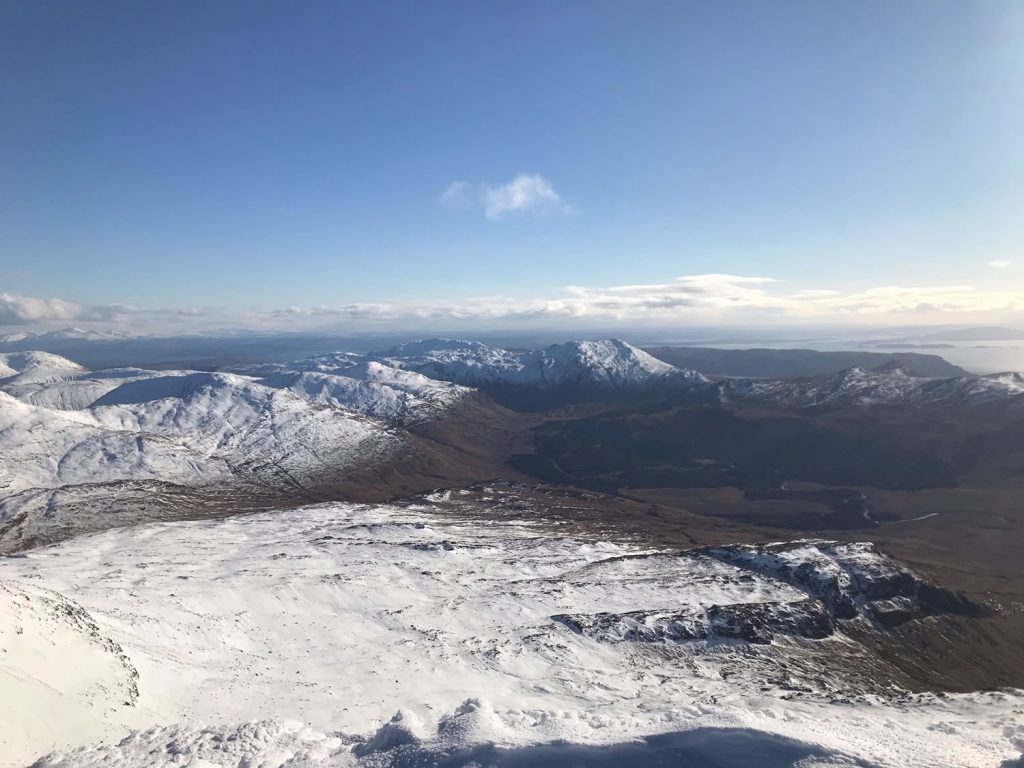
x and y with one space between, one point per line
35 367
374 389
612 364
44 448
252 427
72 439
341 380
78 444
77 390
191 428
478 631
62 656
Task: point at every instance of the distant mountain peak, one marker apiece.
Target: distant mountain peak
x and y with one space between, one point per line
607 363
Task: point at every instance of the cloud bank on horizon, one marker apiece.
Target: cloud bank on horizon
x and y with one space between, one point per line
707 298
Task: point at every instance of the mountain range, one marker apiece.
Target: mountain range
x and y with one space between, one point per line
99 440
574 539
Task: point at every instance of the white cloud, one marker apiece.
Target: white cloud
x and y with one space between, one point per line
16 309
525 194
1000 264
708 299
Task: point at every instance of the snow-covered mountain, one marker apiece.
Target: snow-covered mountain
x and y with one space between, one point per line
65 426
480 632
612 364
35 367
416 380
342 380
73 437
373 389
616 367
190 428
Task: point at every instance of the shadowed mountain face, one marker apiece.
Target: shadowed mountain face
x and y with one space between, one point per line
784 363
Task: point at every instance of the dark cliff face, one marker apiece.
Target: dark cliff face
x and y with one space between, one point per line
851 579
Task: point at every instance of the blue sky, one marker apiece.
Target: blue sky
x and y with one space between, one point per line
224 162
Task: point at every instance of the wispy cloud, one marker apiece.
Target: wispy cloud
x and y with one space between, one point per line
1000 264
525 194
708 298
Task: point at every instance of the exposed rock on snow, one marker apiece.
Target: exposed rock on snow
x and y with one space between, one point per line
751 622
850 579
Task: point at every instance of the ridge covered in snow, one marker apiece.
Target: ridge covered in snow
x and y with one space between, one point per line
184 428
66 429
35 367
613 364
373 389
617 366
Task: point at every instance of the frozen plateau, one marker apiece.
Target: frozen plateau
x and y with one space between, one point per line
185 580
